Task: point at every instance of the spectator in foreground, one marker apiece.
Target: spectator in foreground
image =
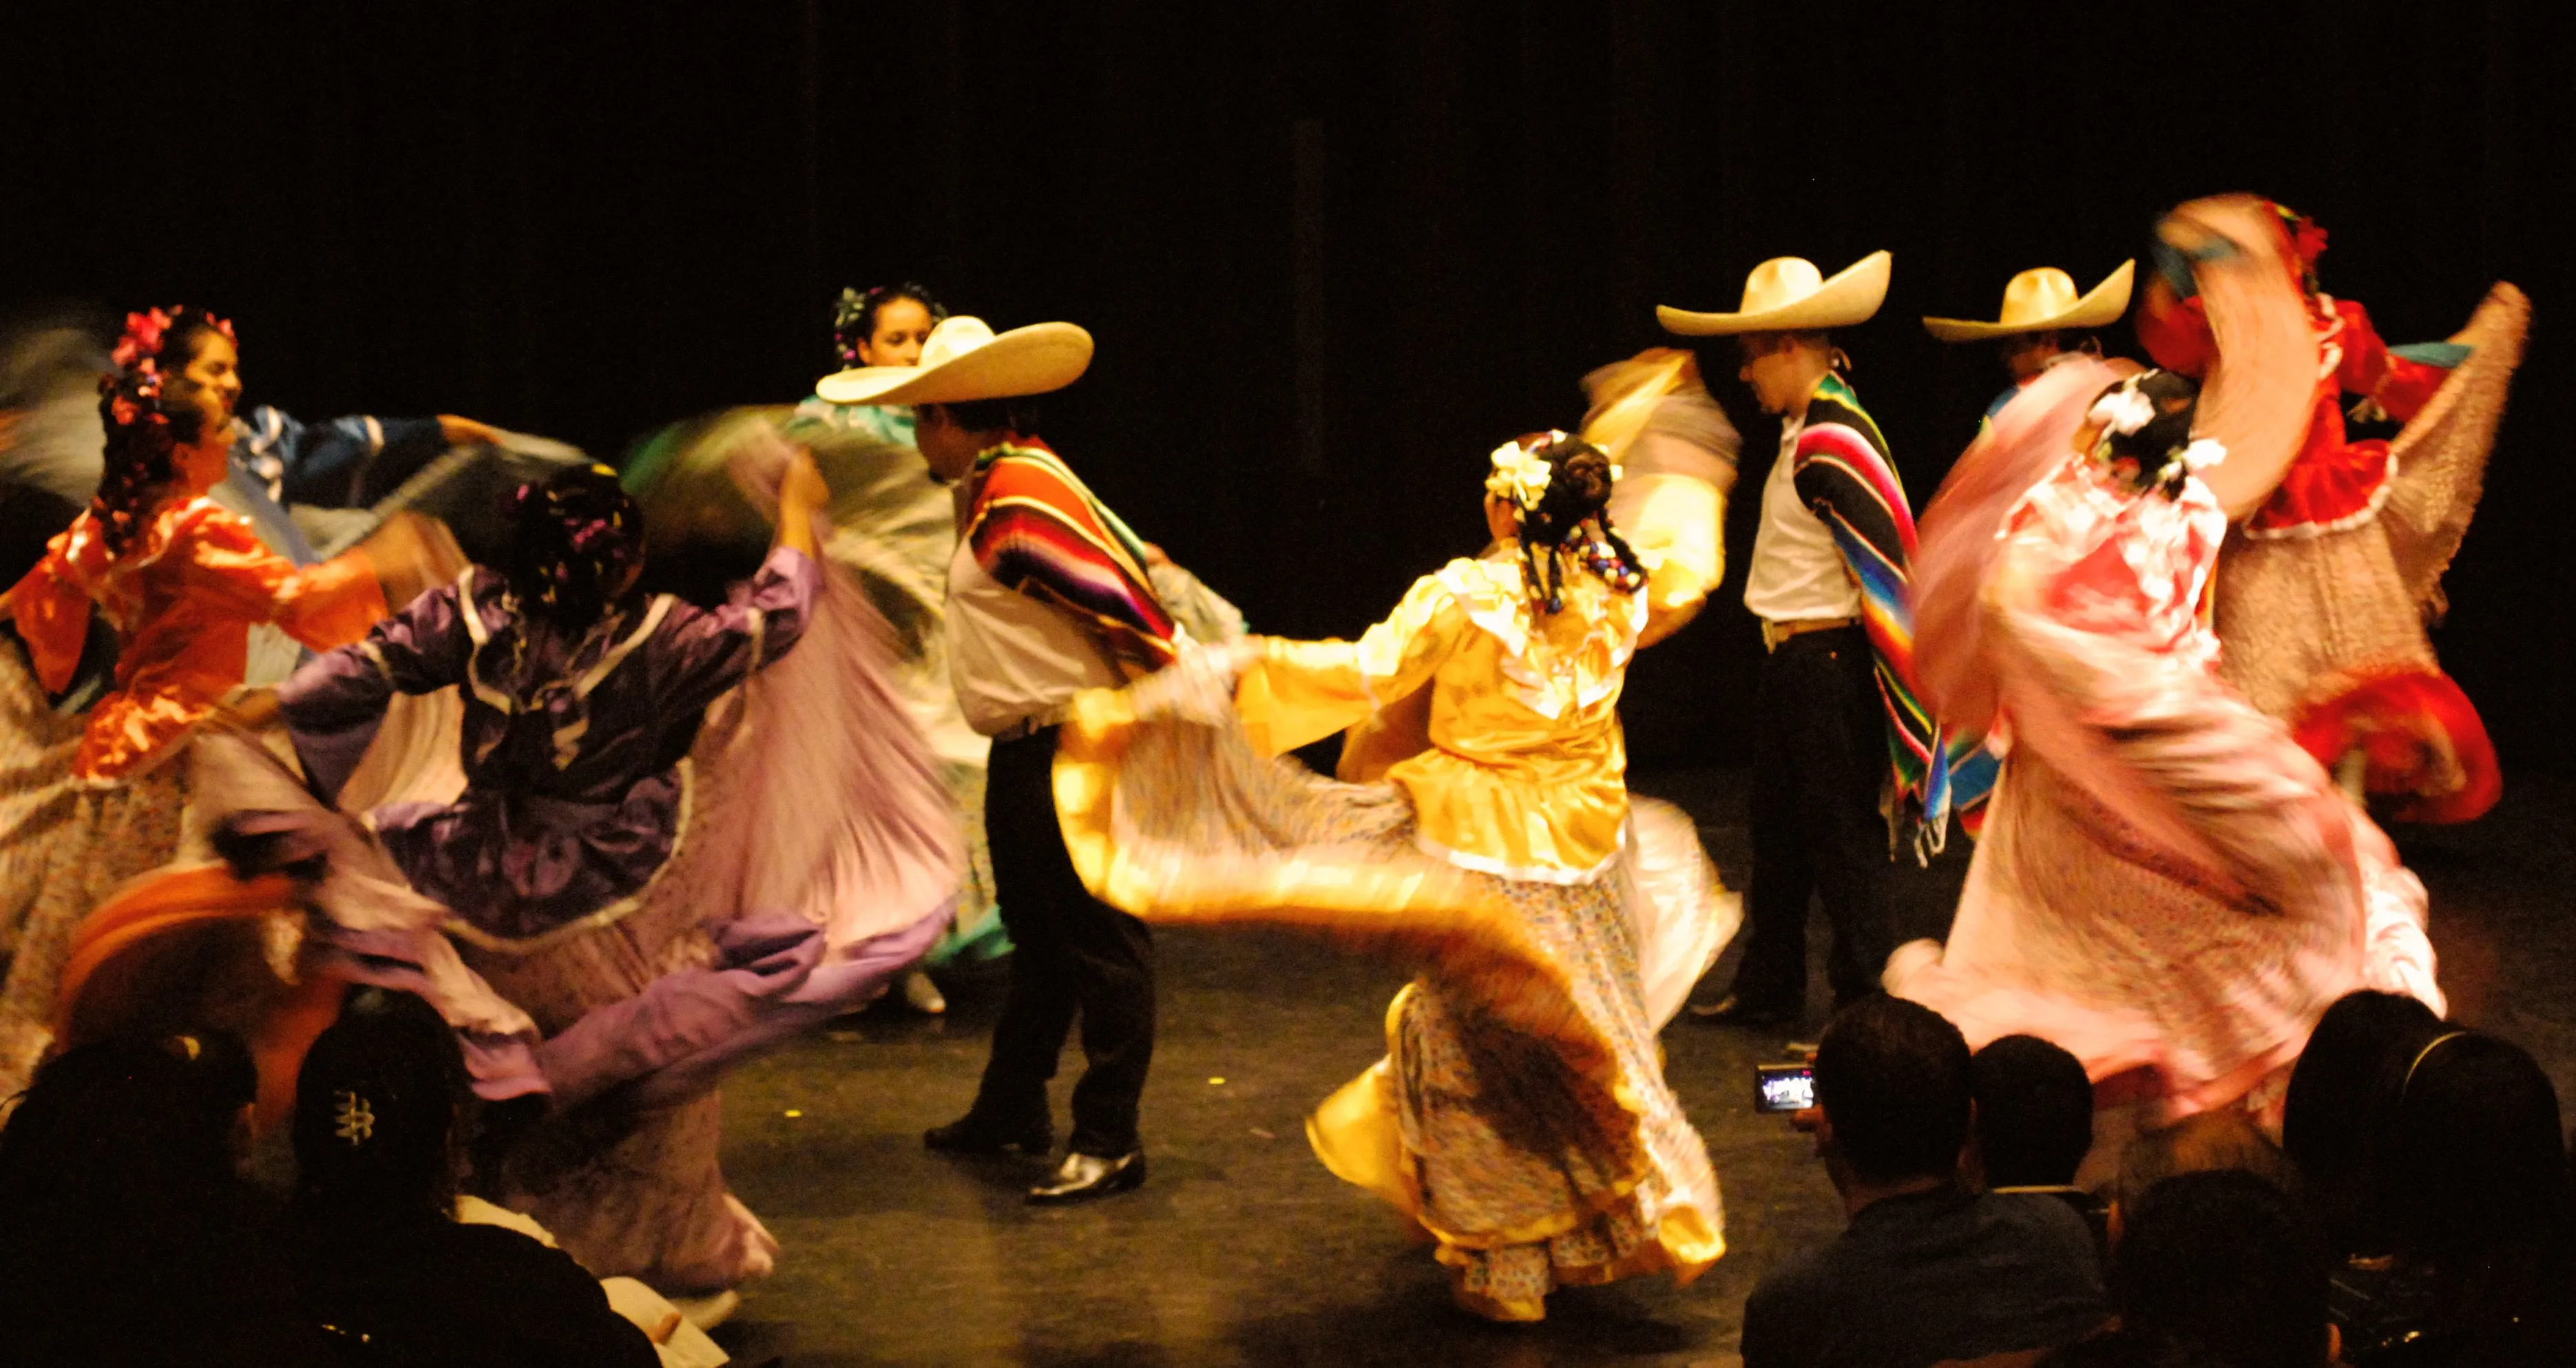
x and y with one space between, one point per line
2474 1194
380 1259
2342 1094
2034 1125
129 1236
1927 1270
2216 1269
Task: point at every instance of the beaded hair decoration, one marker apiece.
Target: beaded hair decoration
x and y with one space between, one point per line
1556 522
580 534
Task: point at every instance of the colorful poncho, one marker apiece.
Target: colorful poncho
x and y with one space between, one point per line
1037 529
1844 474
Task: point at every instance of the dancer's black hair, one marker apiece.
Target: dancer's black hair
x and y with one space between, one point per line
578 538
145 431
1572 519
854 317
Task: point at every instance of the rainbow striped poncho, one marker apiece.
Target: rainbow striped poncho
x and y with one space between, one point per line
1037 529
1844 474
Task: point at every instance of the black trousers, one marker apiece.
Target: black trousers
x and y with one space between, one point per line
1819 762
1073 954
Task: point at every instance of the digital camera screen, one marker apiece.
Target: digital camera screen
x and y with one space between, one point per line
1784 1087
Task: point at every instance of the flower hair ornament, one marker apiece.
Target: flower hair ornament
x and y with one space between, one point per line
1555 522
2144 424
140 344
1520 474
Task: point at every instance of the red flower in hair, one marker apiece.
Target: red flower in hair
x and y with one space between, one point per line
2308 240
142 339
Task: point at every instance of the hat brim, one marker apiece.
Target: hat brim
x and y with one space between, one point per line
1849 296
2100 307
1032 360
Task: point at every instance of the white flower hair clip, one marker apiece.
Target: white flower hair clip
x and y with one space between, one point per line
1520 474
2123 410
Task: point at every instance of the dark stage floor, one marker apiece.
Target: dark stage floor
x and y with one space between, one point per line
1242 1250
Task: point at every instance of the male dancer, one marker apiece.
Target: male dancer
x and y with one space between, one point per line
1842 754
2042 323
1048 595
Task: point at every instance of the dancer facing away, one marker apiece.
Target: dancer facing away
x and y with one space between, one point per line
1520 1118
1048 595
2169 888
1844 759
92 801
632 876
2043 321
2325 589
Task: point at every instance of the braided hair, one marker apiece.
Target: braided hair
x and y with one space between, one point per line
1559 488
854 319
578 539
145 431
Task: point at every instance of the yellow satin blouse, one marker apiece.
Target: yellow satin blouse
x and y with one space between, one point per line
1526 776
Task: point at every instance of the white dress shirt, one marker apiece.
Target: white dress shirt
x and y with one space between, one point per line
1797 573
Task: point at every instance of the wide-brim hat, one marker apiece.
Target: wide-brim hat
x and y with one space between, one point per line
1788 294
963 360
2044 300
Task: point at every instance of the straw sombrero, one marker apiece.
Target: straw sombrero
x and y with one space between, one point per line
2044 300
1788 294
963 360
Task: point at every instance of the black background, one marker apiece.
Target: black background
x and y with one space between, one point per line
587 221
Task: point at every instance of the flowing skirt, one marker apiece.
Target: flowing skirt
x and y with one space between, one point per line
65 843
1520 1119
2324 624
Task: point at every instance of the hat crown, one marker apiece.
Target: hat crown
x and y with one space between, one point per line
2045 292
955 336
1780 282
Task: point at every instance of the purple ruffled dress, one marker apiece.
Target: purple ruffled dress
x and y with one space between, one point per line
617 875
572 745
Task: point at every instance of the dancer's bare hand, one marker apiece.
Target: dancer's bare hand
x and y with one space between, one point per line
467 432
803 483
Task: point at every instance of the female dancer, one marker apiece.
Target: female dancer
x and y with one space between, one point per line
89 801
2326 585
2168 887
610 864
892 527
1521 1117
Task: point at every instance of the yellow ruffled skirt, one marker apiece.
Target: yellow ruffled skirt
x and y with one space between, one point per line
1520 1119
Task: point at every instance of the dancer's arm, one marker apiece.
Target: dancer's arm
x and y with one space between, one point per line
333 705
52 614
1295 692
2399 387
697 655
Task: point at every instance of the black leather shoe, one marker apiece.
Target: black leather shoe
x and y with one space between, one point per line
972 1134
1732 1010
1088 1178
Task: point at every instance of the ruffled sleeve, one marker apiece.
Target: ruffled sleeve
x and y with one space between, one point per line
1303 691
52 613
334 704
322 606
2399 386
699 654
